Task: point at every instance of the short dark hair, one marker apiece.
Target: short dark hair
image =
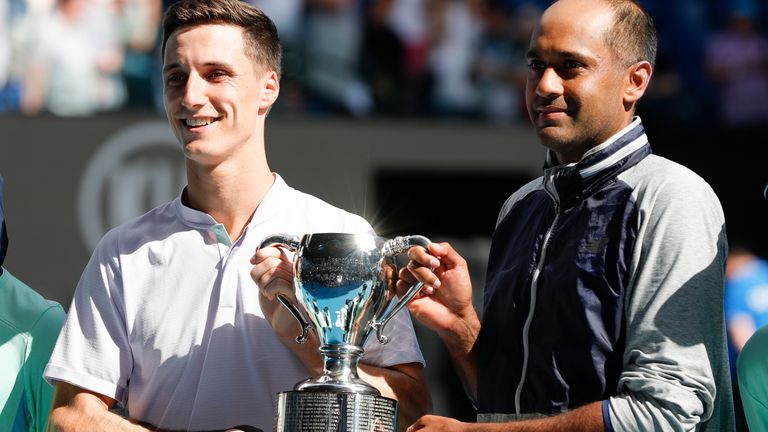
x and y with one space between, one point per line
633 37
260 33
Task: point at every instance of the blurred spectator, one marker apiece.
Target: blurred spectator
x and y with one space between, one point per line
29 326
501 67
331 57
383 60
288 16
9 86
737 61
408 19
746 306
27 16
75 61
5 42
457 26
139 26
101 22
684 26
746 296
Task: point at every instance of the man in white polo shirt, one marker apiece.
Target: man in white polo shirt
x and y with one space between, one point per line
166 322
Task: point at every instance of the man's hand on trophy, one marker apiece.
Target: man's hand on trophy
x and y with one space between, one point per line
447 293
438 424
273 272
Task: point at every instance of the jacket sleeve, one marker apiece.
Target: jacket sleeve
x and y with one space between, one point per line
675 356
43 338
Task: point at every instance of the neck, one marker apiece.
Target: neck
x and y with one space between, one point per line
229 192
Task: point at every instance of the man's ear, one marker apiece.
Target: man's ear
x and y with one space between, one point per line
638 78
271 89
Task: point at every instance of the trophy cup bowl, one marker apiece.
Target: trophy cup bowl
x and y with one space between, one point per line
345 288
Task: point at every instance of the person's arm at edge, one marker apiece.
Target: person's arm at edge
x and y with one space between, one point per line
44 335
77 409
462 347
405 383
588 418
674 312
445 305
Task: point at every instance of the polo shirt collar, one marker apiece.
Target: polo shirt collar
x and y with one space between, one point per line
270 204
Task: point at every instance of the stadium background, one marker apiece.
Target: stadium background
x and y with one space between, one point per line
70 175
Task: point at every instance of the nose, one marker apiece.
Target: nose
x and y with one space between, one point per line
194 92
550 84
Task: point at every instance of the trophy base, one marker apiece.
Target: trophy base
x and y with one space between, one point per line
320 411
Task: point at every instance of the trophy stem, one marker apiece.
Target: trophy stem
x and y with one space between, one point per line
341 362
339 372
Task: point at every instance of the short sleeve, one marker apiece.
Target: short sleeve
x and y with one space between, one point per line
402 345
92 351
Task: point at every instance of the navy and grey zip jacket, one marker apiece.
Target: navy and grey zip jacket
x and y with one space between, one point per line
605 283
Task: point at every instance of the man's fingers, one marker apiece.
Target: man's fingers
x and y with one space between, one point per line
265 253
449 257
437 254
404 285
424 274
405 275
273 288
418 424
273 276
420 255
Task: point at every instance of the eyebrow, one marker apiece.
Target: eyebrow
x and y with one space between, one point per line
564 54
214 64
168 67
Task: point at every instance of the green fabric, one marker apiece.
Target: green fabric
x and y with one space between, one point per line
752 367
29 327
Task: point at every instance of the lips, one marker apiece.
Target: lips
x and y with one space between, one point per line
199 122
549 110
549 115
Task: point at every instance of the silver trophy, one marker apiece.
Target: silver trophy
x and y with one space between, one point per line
345 287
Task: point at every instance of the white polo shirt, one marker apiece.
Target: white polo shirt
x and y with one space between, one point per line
166 318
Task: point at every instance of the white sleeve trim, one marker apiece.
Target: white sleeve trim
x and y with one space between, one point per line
55 373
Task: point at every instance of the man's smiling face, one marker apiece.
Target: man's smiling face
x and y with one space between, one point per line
212 91
575 84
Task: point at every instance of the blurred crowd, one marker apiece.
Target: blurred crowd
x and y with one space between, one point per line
437 58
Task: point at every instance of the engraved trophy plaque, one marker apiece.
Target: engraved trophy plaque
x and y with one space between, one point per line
344 285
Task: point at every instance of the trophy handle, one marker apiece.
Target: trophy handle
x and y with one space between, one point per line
290 242
391 248
295 312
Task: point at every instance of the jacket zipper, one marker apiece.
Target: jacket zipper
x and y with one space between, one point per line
549 187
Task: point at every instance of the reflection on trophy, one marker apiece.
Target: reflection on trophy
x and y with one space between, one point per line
345 287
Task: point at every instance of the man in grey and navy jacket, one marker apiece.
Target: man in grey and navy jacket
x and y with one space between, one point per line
603 304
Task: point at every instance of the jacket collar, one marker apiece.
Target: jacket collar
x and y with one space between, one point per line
621 151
